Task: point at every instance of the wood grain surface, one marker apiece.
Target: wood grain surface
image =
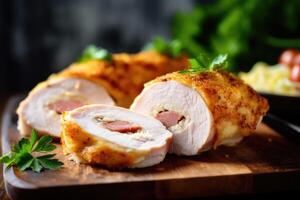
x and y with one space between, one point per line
262 162
3 194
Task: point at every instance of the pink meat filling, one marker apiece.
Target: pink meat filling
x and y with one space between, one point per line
169 118
121 126
65 105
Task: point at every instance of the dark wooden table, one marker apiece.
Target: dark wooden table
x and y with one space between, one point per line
259 167
3 195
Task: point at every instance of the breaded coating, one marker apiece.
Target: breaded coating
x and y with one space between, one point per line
124 77
93 150
235 106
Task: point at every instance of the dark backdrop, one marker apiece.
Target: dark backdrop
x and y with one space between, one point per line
39 37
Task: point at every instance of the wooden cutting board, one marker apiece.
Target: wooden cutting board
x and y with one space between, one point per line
262 162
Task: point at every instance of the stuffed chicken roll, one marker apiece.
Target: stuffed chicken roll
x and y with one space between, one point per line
125 75
202 110
42 108
113 137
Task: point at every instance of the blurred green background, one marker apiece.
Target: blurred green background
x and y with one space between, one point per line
41 37
247 30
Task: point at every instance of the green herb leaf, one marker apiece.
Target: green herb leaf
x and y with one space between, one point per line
4 158
219 62
36 166
159 44
33 138
21 155
24 145
195 64
16 148
8 159
204 60
25 161
50 163
48 148
176 48
46 156
204 63
42 143
95 53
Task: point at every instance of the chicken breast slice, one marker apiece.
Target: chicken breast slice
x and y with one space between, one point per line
42 108
167 100
114 137
202 110
124 77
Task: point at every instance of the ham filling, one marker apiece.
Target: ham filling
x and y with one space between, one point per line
169 118
121 126
60 106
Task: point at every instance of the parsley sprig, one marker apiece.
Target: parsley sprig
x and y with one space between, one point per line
173 48
22 154
95 53
204 63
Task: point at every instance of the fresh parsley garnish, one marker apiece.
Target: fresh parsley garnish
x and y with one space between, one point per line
204 63
173 48
22 154
95 53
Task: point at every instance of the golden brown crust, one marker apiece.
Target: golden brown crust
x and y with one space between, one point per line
235 106
125 76
96 151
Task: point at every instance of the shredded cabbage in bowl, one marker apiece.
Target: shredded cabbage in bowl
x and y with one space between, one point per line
270 79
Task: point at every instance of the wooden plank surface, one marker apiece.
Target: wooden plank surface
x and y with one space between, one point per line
262 162
3 194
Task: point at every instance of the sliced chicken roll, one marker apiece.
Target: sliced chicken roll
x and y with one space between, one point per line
113 137
126 74
202 110
43 106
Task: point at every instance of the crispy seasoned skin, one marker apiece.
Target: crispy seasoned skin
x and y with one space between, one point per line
130 141
225 107
125 76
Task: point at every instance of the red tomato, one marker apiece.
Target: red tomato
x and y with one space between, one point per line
287 57
296 60
295 73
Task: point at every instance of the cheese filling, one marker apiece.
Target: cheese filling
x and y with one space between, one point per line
133 130
65 101
171 117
